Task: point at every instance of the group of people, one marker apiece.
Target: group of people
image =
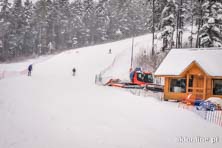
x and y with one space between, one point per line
30 70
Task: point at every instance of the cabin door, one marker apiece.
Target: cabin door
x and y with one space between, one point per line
196 85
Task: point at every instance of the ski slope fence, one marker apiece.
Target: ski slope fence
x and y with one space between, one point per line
118 68
100 79
147 93
211 116
8 74
214 117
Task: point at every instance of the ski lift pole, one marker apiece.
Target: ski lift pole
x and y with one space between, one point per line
131 65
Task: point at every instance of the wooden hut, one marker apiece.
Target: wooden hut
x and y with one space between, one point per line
192 71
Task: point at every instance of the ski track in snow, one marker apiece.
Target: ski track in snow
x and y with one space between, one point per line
53 109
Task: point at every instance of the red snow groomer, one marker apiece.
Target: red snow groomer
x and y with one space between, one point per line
139 80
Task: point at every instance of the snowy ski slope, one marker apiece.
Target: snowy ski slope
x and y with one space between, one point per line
53 109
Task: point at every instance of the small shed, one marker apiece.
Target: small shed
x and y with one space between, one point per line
192 71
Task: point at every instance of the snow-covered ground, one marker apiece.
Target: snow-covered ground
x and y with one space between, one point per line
8 70
53 109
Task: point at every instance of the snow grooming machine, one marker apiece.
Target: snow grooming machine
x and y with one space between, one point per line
139 80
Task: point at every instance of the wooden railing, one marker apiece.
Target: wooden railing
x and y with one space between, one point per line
197 91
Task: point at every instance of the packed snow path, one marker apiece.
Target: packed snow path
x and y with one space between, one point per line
53 109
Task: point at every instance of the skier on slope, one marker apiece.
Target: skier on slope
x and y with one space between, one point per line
74 71
110 51
30 70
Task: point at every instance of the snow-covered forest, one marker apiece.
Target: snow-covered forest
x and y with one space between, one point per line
47 26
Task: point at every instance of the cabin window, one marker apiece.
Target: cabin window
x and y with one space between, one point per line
217 87
178 85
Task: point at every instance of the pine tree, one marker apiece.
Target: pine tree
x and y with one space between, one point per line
65 23
182 9
5 9
102 21
199 19
139 16
128 18
190 17
5 18
158 8
77 26
28 43
41 15
54 24
50 19
113 14
210 34
168 24
17 29
89 18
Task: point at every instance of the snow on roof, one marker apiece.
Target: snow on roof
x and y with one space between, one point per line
209 59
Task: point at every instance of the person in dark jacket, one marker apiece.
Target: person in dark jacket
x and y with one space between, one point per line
73 71
110 51
30 70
